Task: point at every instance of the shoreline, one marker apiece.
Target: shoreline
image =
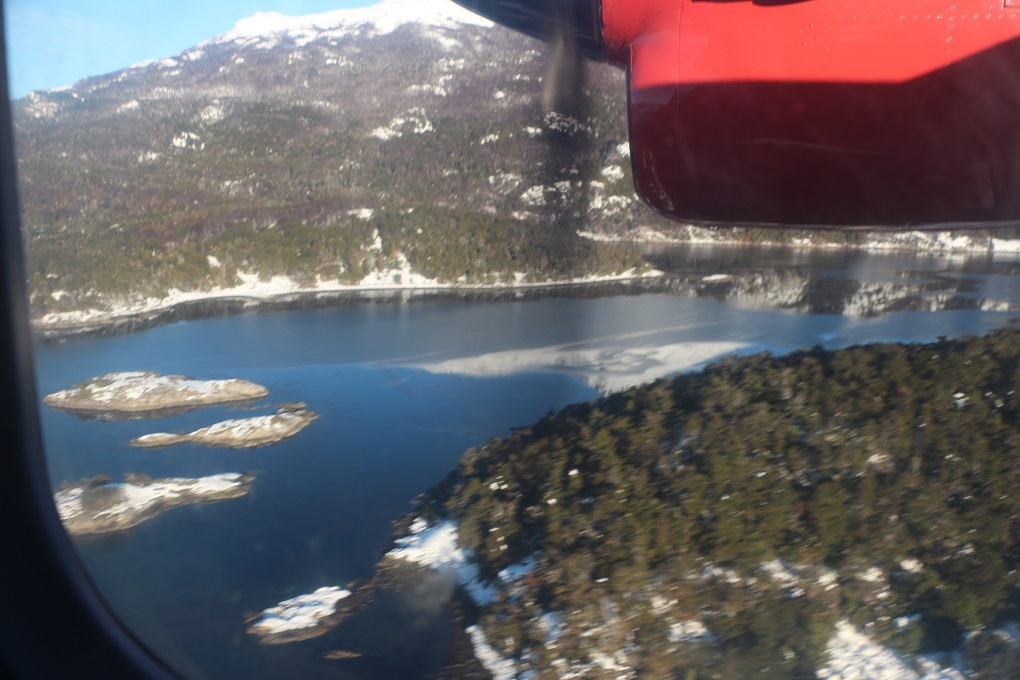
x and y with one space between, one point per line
198 305
280 293
919 241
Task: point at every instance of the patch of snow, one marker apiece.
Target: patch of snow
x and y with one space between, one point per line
134 498
398 276
877 459
689 631
505 181
437 547
211 114
927 241
447 64
380 19
142 64
489 139
385 134
128 106
303 611
615 663
499 667
187 140
872 575
1001 245
68 503
828 580
614 173
609 205
902 622
367 214
515 572
912 566
377 244
534 196
563 123
730 576
552 624
40 107
414 120
438 89
854 656
784 575
1009 633
337 60
872 296
214 261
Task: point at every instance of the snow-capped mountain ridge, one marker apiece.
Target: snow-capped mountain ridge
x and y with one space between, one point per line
379 19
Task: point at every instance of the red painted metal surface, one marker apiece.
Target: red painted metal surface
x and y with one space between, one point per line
872 112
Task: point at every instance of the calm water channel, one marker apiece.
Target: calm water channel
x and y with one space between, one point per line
402 389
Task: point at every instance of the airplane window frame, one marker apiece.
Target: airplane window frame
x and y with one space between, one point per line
55 622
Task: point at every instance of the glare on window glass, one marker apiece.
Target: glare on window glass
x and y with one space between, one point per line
366 348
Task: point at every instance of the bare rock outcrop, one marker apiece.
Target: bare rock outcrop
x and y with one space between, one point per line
98 506
240 433
145 393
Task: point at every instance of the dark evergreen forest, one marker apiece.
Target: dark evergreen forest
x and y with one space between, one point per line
882 477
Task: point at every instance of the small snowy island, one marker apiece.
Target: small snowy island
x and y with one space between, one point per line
97 506
300 618
145 393
241 433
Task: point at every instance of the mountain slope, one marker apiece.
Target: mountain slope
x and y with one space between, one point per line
403 143
321 148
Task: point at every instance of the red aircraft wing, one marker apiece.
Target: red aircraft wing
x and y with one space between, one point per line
870 113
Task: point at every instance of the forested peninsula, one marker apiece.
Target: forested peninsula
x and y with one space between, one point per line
754 519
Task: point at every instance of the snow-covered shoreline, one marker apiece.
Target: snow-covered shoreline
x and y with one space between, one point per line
252 291
283 289
437 547
918 241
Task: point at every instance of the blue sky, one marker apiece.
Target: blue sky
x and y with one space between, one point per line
56 42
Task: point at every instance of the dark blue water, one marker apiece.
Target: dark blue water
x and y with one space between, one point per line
321 508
